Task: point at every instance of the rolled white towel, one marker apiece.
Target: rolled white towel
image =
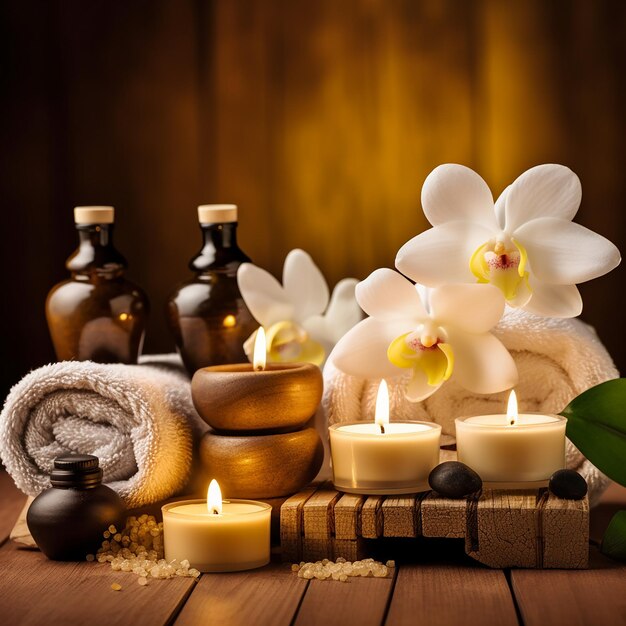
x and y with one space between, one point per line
138 419
557 359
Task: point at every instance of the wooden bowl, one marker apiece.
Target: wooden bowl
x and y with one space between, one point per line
262 466
280 398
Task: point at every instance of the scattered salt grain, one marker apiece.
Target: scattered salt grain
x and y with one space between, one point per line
391 564
138 549
116 587
341 569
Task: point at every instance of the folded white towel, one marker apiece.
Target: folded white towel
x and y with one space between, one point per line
557 359
138 419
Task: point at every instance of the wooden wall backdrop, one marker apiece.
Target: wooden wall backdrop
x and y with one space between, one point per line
320 119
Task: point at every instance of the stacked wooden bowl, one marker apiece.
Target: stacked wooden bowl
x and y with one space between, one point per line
259 446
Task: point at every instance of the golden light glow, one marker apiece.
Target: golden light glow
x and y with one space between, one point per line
260 350
381 416
214 498
511 409
229 321
124 316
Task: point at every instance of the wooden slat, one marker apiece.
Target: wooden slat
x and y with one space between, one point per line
319 522
34 590
348 516
596 596
266 597
11 503
399 517
451 595
372 517
507 530
292 524
443 517
562 548
360 601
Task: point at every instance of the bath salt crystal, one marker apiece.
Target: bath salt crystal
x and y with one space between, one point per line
341 569
391 564
116 586
142 580
138 549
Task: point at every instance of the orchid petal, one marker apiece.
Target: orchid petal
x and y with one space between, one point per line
386 294
418 389
441 255
542 191
320 329
470 308
263 295
304 285
565 253
482 364
362 351
343 311
342 314
501 207
554 300
454 192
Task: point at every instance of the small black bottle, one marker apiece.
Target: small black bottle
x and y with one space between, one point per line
67 521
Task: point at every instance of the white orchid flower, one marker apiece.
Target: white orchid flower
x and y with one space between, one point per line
442 334
300 322
525 243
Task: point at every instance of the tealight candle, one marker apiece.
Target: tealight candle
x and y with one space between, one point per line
383 457
217 535
513 450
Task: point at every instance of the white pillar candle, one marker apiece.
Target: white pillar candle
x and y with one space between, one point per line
383 457
218 536
512 450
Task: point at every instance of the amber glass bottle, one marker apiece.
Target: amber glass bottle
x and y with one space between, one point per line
97 314
207 315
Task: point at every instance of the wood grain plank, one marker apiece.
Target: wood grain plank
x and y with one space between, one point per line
450 595
11 503
79 593
268 596
596 596
361 601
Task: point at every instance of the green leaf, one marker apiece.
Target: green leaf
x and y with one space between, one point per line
614 540
596 425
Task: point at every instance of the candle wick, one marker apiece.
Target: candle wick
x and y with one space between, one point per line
259 368
382 429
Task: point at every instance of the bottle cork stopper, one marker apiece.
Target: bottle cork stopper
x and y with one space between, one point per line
94 215
217 213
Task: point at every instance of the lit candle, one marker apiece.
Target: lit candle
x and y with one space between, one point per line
257 396
383 457
513 450
217 535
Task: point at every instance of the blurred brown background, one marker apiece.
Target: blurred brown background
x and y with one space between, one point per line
319 118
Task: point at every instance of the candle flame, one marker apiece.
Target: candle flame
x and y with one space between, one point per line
381 417
260 350
511 409
214 498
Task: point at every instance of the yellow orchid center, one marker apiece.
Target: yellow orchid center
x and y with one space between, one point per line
287 341
504 266
424 352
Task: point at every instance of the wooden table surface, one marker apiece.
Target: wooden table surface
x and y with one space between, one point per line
435 585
